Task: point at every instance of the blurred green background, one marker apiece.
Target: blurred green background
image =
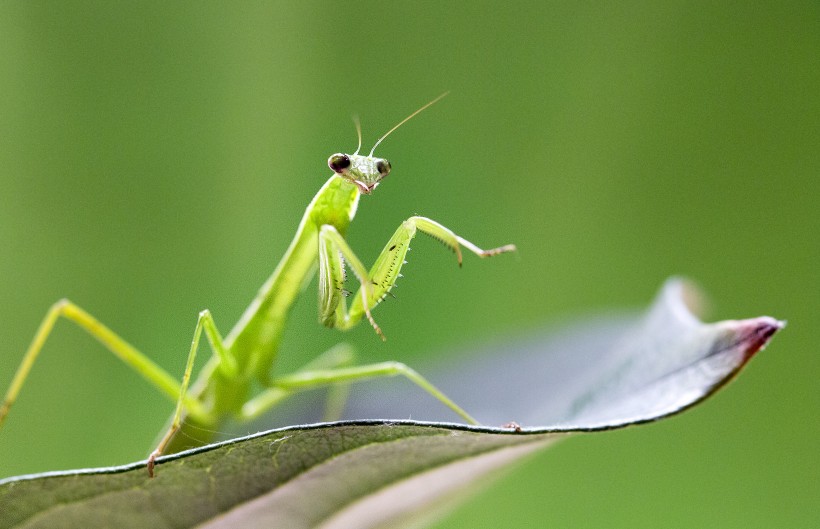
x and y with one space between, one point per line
156 157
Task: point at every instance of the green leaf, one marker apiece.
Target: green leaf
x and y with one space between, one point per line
598 375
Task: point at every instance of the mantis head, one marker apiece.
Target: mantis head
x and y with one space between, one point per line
365 172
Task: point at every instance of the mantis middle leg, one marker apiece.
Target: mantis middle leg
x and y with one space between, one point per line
227 366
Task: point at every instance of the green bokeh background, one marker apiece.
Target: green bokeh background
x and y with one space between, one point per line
155 159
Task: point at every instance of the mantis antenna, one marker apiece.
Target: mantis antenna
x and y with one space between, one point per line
405 120
358 125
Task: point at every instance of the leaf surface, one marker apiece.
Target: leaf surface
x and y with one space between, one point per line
596 375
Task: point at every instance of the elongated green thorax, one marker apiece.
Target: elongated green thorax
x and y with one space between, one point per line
254 340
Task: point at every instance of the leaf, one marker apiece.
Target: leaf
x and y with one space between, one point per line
599 375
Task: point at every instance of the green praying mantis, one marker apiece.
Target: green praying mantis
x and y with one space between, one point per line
225 386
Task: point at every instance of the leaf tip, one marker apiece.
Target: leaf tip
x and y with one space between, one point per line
756 333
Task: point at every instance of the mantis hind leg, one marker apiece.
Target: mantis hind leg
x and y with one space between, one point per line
338 356
332 369
126 352
132 357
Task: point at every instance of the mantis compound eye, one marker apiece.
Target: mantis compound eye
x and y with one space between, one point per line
338 162
383 167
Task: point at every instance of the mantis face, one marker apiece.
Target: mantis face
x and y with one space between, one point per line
365 172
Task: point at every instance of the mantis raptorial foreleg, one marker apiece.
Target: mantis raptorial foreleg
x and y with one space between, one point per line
334 253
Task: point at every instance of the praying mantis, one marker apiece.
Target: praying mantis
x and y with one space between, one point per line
224 387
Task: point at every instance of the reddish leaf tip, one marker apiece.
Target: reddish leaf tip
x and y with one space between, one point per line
756 333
